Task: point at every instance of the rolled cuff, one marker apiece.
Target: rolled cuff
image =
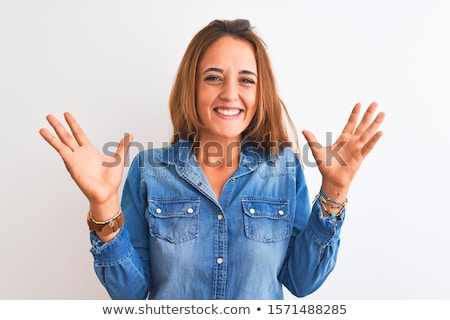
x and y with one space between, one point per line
112 252
324 229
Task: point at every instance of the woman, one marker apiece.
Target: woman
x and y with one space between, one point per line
224 212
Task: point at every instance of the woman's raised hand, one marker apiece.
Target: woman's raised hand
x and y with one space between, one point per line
92 171
339 162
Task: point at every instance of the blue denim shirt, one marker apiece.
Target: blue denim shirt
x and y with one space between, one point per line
180 242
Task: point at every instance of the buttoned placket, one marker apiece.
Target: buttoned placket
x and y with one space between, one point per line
195 176
220 254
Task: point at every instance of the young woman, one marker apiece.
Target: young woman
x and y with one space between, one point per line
224 211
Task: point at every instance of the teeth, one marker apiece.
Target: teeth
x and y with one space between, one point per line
228 112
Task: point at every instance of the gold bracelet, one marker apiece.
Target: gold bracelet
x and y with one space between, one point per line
91 217
114 224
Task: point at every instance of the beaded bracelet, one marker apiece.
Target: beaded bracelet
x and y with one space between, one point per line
332 214
91 217
324 199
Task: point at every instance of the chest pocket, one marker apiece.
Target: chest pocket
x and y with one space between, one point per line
266 220
175 220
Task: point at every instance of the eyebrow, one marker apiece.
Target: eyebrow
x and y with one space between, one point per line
215 69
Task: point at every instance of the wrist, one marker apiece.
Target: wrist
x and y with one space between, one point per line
331 207
337 192
105 218
104 210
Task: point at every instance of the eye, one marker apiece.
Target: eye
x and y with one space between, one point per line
213 78
247 81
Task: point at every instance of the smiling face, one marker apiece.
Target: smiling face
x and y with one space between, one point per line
226 89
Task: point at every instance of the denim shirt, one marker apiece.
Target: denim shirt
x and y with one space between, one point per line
180 242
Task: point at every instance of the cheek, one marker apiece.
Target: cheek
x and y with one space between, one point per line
251 105
205 96
250 97
250 116
203 103
202 112
200 101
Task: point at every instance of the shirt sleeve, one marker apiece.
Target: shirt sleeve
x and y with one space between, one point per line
120 264
313 247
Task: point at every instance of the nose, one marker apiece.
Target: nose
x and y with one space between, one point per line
230 91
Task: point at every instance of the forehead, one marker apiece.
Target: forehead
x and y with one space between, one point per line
229 51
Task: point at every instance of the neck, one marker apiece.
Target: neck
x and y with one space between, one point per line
217 154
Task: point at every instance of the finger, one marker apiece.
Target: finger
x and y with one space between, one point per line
124 145
371 143
50 138
62 133
77 132
313 143
60 147
367 117
352 120
368 133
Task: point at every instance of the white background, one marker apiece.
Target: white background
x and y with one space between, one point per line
111 63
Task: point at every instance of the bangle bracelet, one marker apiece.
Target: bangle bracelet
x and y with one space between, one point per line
326 198
91 217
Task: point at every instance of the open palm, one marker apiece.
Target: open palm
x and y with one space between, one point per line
98 176
339 162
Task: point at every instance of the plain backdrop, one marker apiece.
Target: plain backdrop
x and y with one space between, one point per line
111 63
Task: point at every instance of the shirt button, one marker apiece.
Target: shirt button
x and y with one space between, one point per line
232 179
199 184
281 212
252 211
219 217
158 210
219 260
190 210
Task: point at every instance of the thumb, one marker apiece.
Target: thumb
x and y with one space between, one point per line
313 143
124 145
311 139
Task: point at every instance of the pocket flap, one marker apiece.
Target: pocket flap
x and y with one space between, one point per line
169 208
262 208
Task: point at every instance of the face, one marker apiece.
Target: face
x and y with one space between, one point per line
226 89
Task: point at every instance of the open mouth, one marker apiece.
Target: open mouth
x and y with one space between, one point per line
228 112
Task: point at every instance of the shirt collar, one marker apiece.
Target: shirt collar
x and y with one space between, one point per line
180 153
